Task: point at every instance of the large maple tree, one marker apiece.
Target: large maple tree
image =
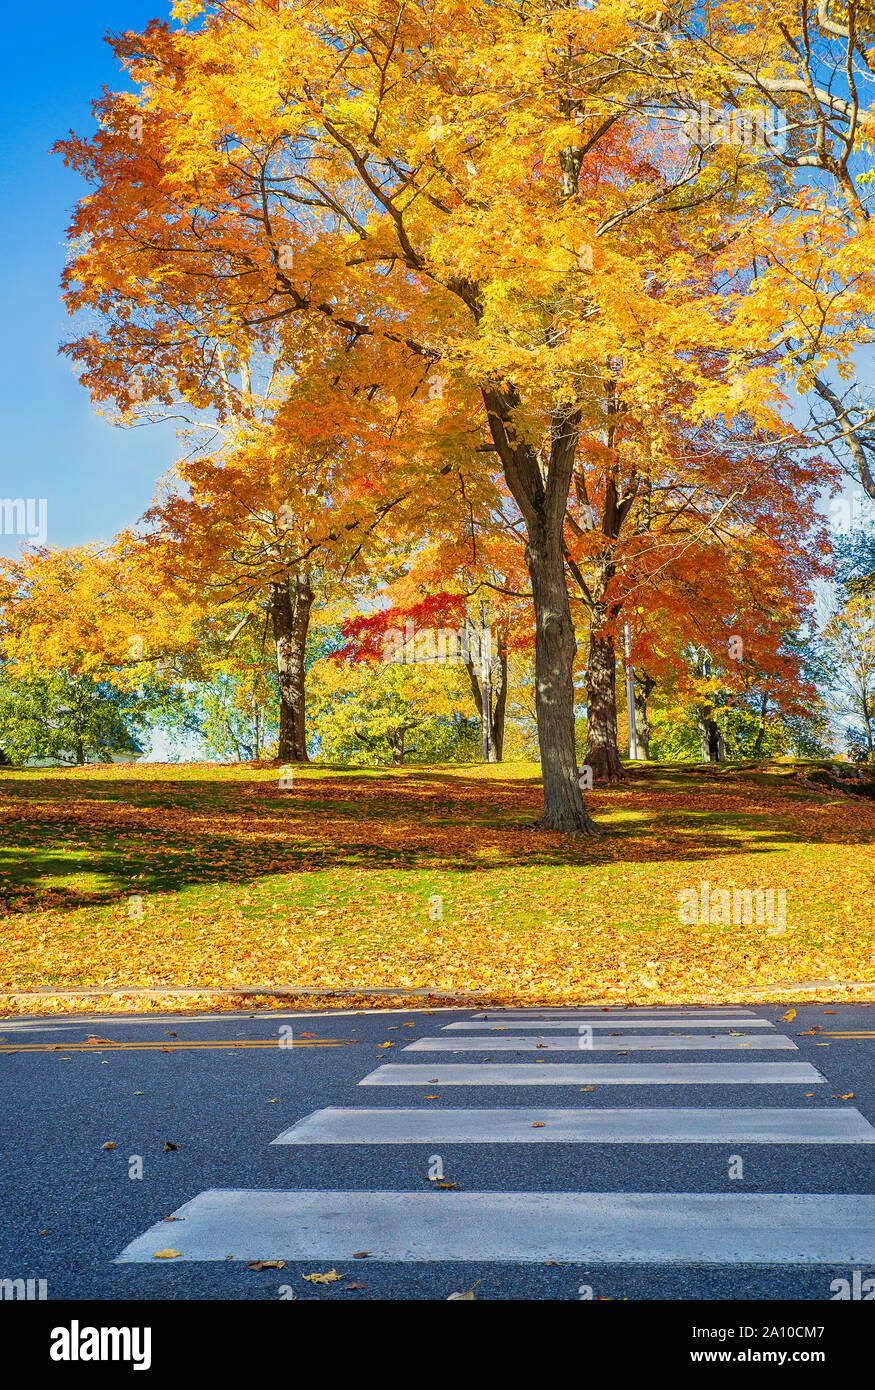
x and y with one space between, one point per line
477 190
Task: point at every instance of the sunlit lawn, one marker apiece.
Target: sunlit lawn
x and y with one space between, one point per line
204 875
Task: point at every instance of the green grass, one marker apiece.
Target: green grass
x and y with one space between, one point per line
330 883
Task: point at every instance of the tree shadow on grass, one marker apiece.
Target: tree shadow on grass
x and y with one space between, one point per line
86 842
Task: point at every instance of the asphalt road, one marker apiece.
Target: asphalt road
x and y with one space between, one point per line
73 1205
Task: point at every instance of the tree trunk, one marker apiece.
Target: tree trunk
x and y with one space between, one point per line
490 711
642 691
498 714
539 485
758 741
291 618
867 716
702 715
554 686
602 754
397 739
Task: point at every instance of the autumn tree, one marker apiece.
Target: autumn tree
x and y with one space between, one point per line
383 712
849 640
479 196
797 79
693 533
462 598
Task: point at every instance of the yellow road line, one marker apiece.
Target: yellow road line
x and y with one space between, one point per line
861 1034
165 1046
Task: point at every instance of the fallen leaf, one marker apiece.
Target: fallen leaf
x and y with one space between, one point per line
109 1145
266 1264
386 1044
347 1288
362 1255
331 1276
538 1124
468 1294
167 1255
174 1218
788 1016
170 1146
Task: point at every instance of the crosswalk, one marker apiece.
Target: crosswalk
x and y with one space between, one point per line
580 1226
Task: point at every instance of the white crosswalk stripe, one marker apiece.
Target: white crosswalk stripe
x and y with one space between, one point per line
684 1228
555 1025
673 1228
586 1015
586 1073
581 1126
626 1042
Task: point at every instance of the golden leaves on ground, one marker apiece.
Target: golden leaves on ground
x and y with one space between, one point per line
353 862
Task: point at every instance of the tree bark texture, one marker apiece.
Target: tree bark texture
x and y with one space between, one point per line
602 753
539 485
290 604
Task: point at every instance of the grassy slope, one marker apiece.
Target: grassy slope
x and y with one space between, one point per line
329 884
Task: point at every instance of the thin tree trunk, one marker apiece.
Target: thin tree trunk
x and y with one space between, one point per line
702 715
758 741
490 709
290 615
498 714
602 753
642 691
867 715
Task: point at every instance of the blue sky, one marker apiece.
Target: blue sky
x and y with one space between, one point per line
95 478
